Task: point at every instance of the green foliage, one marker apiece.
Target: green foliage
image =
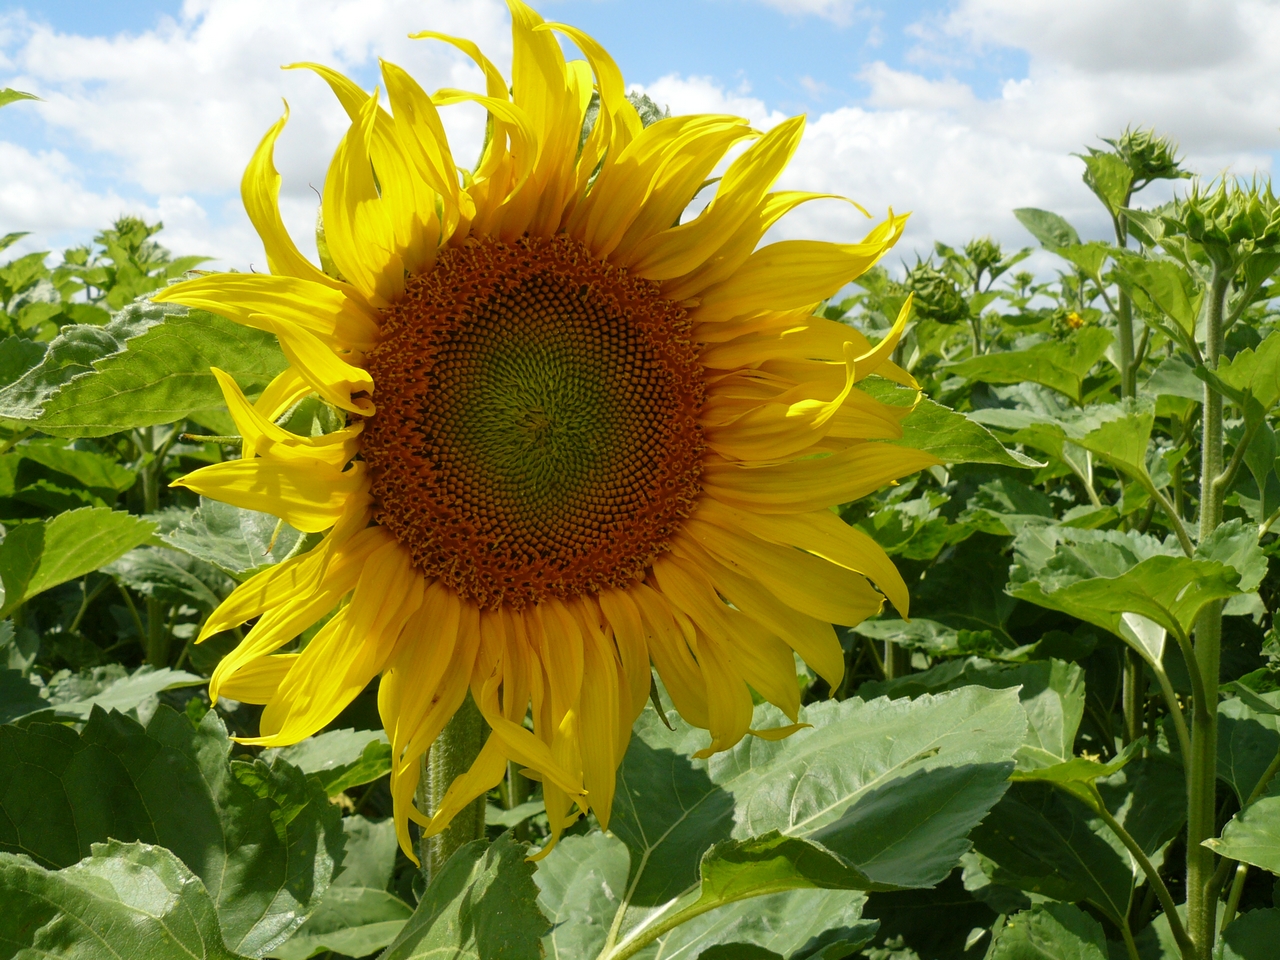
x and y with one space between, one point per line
1007 772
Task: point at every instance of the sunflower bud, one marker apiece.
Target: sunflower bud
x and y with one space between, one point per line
938 297
1229 219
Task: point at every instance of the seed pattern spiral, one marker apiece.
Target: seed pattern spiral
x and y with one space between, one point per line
536 432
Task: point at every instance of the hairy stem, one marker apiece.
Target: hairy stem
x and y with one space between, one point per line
450 757
1202 776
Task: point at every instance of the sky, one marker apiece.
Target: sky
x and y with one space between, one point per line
956 110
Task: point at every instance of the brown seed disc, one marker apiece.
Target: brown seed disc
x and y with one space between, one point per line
537 431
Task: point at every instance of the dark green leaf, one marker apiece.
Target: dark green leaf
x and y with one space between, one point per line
483 904
17 356
1251 936
1253 834
124 900
111 688
93 470
149 365
171 577
19 696
263 839
1248 740
892 787
1050 931
356 916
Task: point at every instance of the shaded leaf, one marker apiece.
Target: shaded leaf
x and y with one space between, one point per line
483 904
1250 936
1049 228
1253 834
1050 931
263 840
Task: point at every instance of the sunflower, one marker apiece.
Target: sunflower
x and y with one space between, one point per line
581 442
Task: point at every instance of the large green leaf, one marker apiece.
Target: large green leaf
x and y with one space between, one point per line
1254 374
1253 834
1168 287
1046 841
1248 740
1109 177
38 555
1104 578
149 365
950 436
338 758
113 688
123 900
892 789
1051 692
1050 931
1060 365
171 577
1251 936
264 840
483 904
1049 228
237 542
357 915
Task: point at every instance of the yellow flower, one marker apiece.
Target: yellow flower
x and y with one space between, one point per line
580 440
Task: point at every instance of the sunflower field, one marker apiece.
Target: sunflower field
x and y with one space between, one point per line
560 568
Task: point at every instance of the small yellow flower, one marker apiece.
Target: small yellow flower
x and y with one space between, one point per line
1074 320
581 441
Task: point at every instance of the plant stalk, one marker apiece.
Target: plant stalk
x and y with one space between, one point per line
450 757
156 638
1202 777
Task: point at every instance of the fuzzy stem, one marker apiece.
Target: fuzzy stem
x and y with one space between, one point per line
1202 776
450 757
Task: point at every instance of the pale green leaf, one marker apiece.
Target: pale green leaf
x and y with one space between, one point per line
1050 931
1049 228
1060 365
124 900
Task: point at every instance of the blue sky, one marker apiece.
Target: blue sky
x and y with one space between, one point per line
959 110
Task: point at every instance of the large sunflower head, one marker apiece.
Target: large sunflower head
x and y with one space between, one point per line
581 443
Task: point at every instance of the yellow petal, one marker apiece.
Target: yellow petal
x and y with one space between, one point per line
260 189
262 437
348 652
801 486
668 633
599 715
801 580
821 533
328 312
357 226
257 681
329 375
792 273
307 495
679 250
485 773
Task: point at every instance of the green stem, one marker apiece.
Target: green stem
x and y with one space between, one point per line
1175 712
896 661
1152 874
1233 898
450 757
1202 779
1130 947
517 793
1132 697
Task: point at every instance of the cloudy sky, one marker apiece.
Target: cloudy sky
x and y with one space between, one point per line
958 110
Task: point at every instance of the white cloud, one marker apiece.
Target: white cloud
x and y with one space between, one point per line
175 112
162 122
839 12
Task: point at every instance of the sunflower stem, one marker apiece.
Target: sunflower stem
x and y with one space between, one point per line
451 757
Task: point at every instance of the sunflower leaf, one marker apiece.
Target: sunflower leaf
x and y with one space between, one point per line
885 791
1050 931
1253 835
123 900
264 840
149 365
1251 936
482 904
40 554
